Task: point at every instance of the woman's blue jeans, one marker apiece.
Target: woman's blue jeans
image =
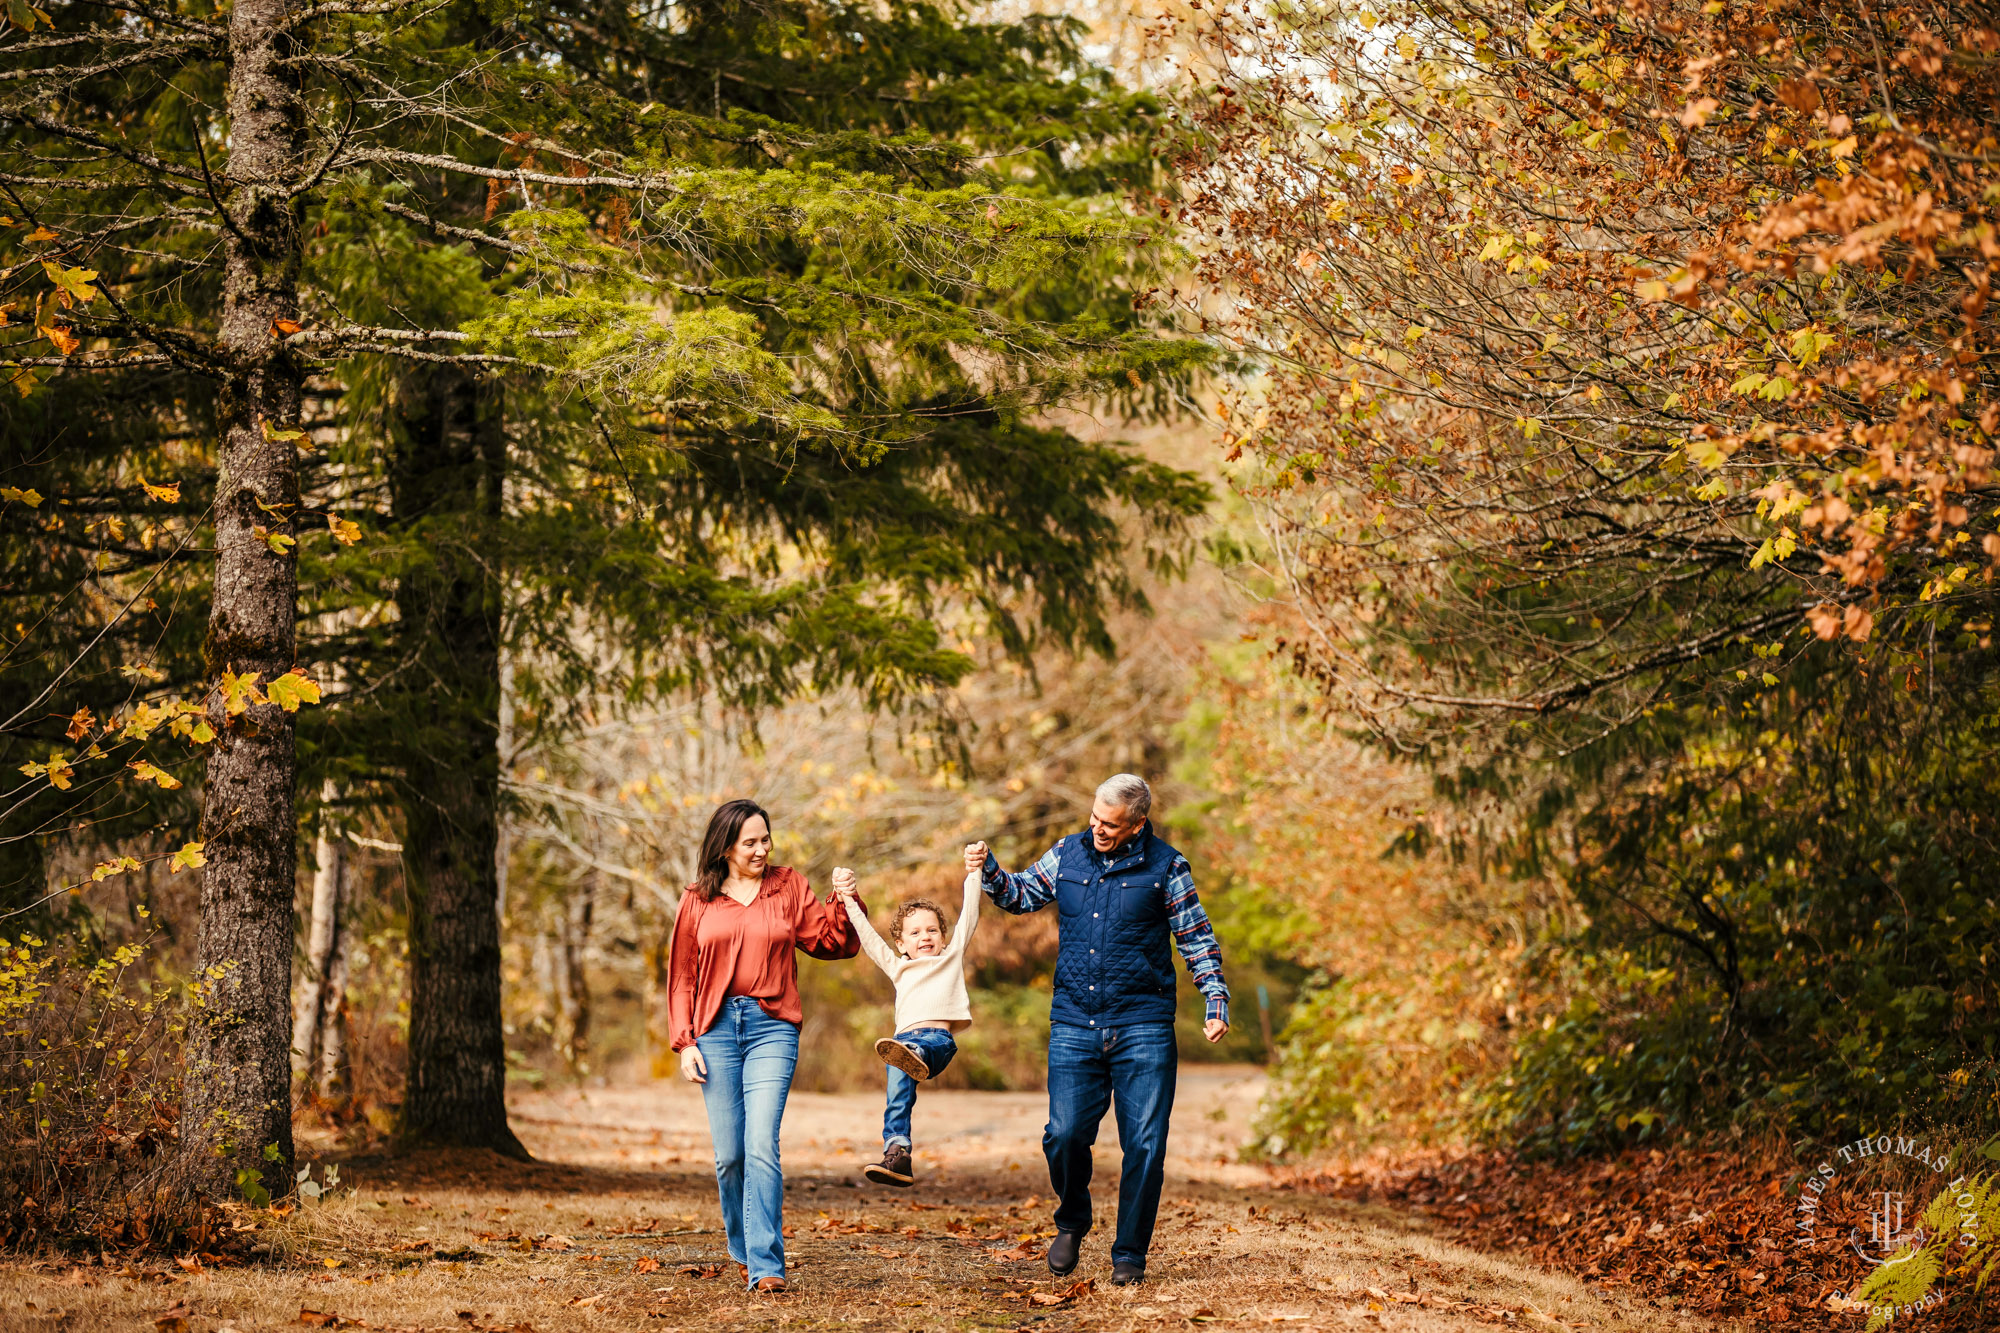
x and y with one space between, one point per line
750 1057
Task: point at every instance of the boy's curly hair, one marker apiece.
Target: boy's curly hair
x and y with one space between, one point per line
917 905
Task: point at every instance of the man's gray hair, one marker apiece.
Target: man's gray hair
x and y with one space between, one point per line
1128 792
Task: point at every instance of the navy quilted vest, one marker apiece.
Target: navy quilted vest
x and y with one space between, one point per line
1114 960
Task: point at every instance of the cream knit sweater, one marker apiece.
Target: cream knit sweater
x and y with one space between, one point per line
928 990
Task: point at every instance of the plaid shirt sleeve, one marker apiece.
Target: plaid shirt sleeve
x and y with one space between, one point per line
1195 938
1027 891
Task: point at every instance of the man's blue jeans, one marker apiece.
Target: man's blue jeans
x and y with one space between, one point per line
937 1048
1088 1069
750 1057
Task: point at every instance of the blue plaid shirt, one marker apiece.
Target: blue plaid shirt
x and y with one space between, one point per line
1032 889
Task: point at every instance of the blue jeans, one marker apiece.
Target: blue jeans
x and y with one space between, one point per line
1088 1067
937 1048
750 1056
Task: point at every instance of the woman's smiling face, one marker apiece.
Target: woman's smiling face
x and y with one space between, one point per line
752 849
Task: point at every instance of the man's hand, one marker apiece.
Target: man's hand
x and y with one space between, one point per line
975 857
1214 1029
844 884
693 1068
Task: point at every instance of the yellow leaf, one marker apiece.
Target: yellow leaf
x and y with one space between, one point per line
73 283
144 718
58 770
148 773
1406 47
169 493
345 530
65 342
188 857
239 692
39 235
29 496
294 688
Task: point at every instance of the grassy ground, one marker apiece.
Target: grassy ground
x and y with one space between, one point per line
615 1228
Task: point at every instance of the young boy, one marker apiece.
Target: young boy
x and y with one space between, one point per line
929 974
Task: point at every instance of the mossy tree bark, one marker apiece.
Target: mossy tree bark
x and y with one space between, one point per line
236 1113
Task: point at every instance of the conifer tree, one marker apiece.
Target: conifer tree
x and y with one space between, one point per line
773 372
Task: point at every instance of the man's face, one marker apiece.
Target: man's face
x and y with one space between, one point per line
1111 825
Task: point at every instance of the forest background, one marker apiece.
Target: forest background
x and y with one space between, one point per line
1518 478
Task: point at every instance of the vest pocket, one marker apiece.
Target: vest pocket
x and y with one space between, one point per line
1072 891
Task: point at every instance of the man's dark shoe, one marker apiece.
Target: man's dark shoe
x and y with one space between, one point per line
893 1169
1062 1253
1124 1273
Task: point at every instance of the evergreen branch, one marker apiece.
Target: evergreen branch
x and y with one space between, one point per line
409 353
442 162
165 17
103 145
315 337
93 363
344 8
512 247
70 74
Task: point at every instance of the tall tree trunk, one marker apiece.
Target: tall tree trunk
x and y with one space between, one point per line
236 1112
573 922
334 1080
316 997
446 479
660 1058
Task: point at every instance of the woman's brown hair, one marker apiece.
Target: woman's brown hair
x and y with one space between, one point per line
723 828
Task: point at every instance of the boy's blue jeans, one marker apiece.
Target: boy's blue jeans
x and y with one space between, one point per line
1088 1067
937 1048
750 1057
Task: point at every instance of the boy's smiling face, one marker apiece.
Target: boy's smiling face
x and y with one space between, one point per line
922 936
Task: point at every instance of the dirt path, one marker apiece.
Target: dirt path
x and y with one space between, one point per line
615 1228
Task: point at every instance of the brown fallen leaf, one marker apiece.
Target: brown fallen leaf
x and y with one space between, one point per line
174 1320
1021 1253
701 1270
557 1243
648 1264
319 1319
585 1302
886 1253
189 1263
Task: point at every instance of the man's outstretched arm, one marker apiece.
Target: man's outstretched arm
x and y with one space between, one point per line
1027 891
1194 936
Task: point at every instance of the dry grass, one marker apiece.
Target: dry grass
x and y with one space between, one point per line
594 1237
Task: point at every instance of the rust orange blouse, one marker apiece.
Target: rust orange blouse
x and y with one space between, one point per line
722 948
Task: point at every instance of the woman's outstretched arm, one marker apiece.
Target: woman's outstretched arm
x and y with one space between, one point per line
820 928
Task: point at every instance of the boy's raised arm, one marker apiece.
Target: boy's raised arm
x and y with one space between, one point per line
872 943
968 912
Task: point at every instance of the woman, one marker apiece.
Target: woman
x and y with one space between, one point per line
733 1000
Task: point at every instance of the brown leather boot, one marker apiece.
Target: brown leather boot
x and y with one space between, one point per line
893 1169
770 1286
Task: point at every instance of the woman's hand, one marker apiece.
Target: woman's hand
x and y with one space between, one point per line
844 884
693 1068
975 858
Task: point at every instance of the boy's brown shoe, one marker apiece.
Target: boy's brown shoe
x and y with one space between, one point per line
893 1169
905 1058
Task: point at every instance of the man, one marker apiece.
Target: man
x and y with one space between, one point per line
1120 892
